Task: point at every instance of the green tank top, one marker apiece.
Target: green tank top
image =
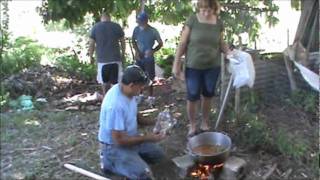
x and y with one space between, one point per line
203 50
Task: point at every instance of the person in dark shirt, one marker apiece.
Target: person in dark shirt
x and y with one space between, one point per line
104 39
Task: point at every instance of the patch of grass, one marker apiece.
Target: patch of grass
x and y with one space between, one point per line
315 164
252 101
253 131
59 116
292 147
26 133
17 125
72 141
306 100
14 119
23 123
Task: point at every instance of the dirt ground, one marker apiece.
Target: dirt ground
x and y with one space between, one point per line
36 144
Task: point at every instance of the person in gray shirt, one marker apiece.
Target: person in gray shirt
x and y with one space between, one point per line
104 40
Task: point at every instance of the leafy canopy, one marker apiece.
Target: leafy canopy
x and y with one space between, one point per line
239 16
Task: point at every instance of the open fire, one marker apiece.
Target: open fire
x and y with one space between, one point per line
204 171
233 168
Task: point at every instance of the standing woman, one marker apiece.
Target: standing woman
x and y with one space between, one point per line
202 42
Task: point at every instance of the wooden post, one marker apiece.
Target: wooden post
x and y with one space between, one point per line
237 92
313 31
131 49
223 79
292 81
288 37
237 103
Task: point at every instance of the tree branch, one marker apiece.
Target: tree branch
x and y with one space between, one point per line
239 6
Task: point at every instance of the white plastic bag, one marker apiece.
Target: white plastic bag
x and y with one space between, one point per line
165 122
242 68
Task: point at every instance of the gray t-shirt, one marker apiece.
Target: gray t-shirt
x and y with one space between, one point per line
106 35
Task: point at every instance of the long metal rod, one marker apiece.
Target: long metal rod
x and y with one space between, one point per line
224 102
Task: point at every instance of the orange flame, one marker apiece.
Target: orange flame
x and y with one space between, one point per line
203 171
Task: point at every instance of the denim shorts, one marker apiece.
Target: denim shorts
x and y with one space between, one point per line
130 161
201 82
147 65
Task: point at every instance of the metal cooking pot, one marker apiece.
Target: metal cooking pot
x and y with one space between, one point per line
210 138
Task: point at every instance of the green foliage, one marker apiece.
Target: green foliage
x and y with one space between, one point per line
71 65
251 100
56 25
4 98
74 11
21 54
4 33
5 15
164 53
164 59
128 60
254 133
241 17
296 4
238 16
306 100
169 12
293 147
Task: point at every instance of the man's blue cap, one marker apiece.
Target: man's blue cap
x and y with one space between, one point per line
142 16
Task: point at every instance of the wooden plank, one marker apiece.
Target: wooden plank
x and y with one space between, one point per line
224 79
292 81
237 103
84 172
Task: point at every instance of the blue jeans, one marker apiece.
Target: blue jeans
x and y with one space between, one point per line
130 161
148 66
201 82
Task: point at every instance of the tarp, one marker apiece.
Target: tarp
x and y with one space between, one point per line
312 78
